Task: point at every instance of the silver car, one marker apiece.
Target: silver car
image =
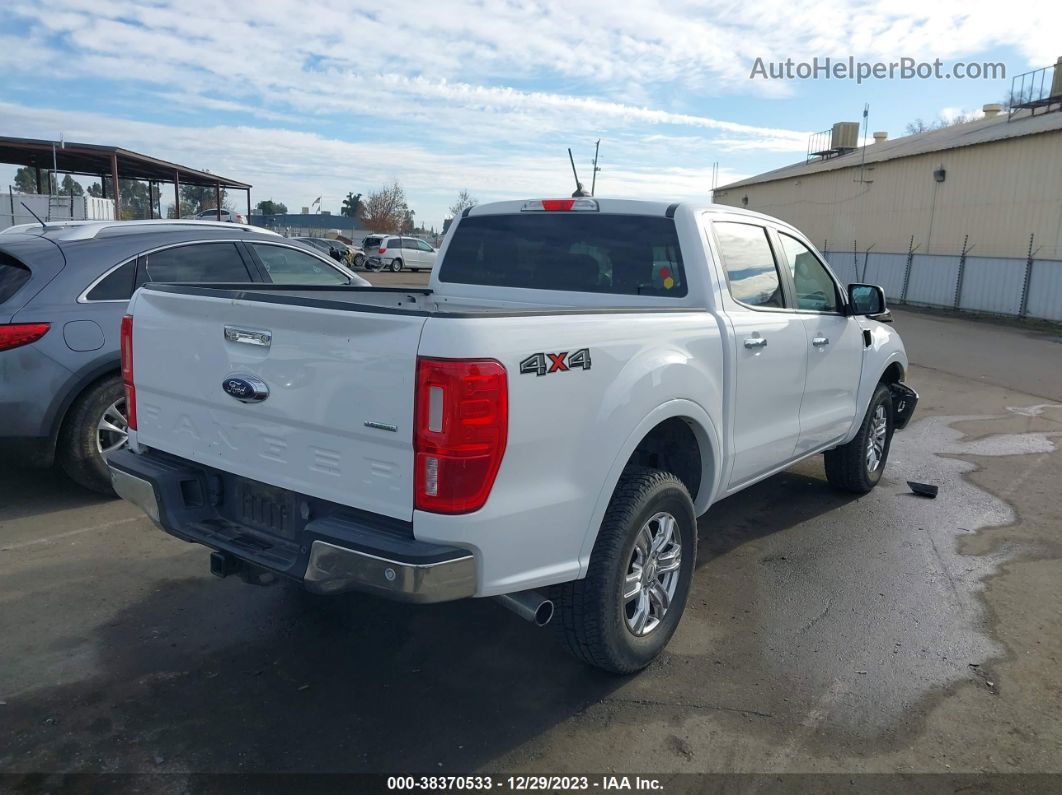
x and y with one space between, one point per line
393 253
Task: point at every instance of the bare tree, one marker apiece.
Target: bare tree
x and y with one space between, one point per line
920 126
464 201
385 209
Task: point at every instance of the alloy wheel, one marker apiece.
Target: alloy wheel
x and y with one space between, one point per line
876 439
112 431
652 574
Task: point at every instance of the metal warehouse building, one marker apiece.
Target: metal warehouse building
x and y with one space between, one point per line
968 216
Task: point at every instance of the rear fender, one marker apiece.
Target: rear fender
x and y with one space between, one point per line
707 435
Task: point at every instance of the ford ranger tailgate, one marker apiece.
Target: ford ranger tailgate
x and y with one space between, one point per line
314 399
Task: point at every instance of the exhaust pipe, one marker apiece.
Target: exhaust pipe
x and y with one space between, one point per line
529 605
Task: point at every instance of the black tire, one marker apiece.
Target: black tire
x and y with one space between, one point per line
359 261
591 613
847 466
396 265
79 453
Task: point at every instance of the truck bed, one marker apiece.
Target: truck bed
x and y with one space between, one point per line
410 301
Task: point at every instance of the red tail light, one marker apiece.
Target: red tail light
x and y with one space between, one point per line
127 369
383 249
15 335
461 425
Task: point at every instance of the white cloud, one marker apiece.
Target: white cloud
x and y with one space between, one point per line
478 93
295 166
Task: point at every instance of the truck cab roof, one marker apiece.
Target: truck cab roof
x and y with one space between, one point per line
625 207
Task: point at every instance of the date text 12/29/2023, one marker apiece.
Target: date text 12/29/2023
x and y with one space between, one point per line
521 783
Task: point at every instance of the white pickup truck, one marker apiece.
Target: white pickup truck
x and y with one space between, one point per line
543 424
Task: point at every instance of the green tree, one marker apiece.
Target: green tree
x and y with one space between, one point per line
353 206
70 187
95 189
26 180
270 207
200 197
136 199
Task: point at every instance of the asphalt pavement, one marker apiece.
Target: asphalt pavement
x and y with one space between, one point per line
824 633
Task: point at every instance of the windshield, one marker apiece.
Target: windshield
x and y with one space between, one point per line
584 252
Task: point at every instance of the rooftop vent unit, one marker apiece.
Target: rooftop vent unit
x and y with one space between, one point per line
840 139
880 136
1040 89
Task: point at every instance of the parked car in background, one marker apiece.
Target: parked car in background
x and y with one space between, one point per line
63 291
391 252
227 216
337 249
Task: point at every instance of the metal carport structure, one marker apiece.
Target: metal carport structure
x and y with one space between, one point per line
115 162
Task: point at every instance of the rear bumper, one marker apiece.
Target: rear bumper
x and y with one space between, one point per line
329 548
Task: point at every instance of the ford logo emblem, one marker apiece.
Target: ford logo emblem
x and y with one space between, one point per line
246 388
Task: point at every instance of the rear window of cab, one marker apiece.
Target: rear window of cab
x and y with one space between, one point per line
569 251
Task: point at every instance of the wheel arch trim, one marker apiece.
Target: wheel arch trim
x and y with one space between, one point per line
88 375
708 440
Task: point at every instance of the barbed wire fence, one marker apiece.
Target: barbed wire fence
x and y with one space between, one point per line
977 277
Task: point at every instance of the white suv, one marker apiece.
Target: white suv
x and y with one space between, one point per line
394 253
231 216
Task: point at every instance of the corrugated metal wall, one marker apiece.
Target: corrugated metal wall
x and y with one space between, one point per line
1045 289
989 284
996 193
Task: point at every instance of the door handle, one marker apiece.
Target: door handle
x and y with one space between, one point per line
755 342
818 342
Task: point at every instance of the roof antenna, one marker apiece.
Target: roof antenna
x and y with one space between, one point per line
39 221
580 191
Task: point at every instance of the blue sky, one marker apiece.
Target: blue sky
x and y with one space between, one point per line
305 99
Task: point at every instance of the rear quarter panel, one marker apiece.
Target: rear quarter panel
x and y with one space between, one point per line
571 432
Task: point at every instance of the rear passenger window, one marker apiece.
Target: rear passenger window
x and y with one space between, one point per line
116 285
751 270
198 262
13 274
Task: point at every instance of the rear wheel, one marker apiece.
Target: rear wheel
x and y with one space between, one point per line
858 465
396 265
623 613
359 261
96 425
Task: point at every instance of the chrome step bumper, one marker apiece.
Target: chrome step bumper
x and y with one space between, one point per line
329 554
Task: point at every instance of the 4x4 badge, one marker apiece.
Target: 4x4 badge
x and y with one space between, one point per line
546 363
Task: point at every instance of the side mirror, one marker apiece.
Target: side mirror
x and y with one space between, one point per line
866 299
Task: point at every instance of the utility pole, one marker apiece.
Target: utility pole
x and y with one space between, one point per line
593 179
